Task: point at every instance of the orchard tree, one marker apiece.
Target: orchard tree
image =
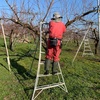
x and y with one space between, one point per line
27 14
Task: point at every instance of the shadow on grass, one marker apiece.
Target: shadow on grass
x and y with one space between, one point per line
4 66
22 76
94 59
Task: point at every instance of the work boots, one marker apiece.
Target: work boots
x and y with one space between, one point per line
54 67
46 66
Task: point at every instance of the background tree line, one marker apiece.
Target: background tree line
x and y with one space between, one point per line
23 18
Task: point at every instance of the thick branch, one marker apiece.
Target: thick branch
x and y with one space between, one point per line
25 25
79 17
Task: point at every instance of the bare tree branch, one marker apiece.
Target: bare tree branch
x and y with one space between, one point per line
48 9
12 10
80 16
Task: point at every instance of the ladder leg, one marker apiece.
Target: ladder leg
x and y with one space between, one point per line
35 88
37 78
34 97
65 88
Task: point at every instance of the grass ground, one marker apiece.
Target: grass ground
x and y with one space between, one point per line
82 78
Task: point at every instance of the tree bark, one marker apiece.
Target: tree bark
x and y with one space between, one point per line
96 40
11 40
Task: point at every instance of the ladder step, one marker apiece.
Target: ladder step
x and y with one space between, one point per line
87 50
87 53
42 75
43 52
86 43
86 46
42 62
49 86
86 40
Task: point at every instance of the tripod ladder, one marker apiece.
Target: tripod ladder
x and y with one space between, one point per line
61 83
87 48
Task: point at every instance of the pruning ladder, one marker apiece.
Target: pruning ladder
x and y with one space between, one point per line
38 88
87 48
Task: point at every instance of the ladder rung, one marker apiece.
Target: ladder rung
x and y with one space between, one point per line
86 43
86 46
49 86
87 53
41 63
42 75
42 41
87 50
86 40
43 52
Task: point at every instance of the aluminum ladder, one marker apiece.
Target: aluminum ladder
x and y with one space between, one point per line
61 83
87 49
85 40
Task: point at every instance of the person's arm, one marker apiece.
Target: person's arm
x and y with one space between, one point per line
64 29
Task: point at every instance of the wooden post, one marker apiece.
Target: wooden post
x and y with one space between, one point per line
98 6
8 60
99 17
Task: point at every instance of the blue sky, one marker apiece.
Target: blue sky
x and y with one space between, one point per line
74 7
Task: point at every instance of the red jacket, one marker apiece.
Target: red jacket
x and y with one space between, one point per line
56 29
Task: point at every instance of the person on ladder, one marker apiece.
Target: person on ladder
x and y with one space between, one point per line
56 31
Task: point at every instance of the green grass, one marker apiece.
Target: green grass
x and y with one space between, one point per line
81 77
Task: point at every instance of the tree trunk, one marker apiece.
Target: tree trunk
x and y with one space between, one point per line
96 46
11 40
99 48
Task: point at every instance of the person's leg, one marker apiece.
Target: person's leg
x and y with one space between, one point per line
55 67
46 66
49 56
57 51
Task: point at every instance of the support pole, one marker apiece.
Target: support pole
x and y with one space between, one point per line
98 4
8 60
99 17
